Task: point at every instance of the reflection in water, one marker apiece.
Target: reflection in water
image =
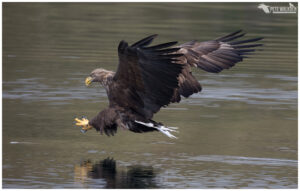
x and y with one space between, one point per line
135 176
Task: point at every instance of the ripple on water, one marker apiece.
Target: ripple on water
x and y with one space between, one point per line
238 160
240 172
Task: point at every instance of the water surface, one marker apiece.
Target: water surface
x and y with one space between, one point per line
239 132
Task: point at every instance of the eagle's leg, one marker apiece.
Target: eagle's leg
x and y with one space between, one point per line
84 124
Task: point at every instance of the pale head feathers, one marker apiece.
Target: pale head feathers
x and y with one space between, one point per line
101 75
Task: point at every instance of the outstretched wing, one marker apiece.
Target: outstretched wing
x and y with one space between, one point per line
211 56
146 77
216 55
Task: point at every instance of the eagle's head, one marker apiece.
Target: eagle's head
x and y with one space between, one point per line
99 75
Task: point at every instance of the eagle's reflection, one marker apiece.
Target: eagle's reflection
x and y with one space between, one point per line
136 176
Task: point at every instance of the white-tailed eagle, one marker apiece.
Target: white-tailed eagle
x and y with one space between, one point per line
151 77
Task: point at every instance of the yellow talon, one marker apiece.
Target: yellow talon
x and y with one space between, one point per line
84 123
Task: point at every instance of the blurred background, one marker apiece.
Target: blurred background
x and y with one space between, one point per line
239 132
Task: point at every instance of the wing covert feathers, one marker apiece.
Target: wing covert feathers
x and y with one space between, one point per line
221 53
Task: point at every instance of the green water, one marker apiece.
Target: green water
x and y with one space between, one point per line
239 132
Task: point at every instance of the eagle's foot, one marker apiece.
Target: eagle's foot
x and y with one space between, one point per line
84 124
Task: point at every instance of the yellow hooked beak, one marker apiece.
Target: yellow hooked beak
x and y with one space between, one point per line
88 81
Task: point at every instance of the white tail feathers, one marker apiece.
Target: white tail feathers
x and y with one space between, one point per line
162 129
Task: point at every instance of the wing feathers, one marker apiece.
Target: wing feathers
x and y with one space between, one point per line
222 53
227 36
247 46
246 41
144 42
166 51
150 73
234 37
160 46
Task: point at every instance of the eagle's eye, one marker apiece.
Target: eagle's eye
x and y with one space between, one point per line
93 75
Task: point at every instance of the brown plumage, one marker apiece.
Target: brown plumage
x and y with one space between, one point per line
151 77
